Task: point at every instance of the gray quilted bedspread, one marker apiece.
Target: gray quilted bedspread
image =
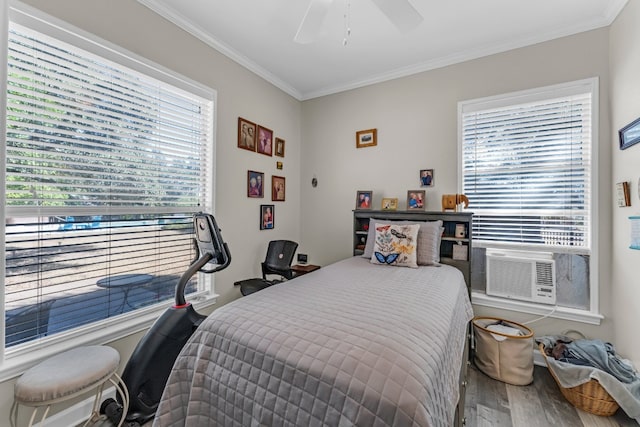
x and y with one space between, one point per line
350 344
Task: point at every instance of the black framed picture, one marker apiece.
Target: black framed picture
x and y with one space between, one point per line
267 217
630 134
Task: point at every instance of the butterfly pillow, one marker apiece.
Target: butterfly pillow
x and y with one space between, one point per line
395 245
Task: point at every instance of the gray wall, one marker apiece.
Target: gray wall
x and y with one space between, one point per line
625 108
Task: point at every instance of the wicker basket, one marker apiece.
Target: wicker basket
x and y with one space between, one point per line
589 397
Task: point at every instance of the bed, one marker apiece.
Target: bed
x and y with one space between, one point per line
353 343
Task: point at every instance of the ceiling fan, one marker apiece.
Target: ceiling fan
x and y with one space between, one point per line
400 12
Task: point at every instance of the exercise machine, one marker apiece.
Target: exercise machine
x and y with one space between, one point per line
148 369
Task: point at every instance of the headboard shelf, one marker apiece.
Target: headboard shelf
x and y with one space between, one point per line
456 241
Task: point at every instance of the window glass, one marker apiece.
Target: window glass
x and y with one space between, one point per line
105 165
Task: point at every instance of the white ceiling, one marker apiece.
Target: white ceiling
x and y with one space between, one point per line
259 34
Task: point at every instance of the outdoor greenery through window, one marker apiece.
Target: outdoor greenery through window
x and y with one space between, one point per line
107 158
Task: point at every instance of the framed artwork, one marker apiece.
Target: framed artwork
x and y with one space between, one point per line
255 184
364 199
623 195
366 138
415 199
279 147
389 204
630 134
267 215
426 178
277 188
265 141
246 134
278 165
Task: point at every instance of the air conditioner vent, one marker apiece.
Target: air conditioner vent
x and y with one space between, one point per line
524 276
544 274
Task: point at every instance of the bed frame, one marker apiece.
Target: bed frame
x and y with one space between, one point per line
449 220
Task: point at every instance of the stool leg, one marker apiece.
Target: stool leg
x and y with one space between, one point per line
13 418
93 417
44 415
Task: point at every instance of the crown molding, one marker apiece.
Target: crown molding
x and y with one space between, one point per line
613 10
188 26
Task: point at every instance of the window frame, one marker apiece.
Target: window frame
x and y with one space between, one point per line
592 314
15 360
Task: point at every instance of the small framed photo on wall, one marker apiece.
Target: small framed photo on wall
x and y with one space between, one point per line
426 178
246 134
267 215
415 199
255 184
366 138
277 188
265 140
279 147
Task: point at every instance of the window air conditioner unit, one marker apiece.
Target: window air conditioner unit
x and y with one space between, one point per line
528 276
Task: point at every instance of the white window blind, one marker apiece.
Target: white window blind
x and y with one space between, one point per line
84 131
526 167
104 167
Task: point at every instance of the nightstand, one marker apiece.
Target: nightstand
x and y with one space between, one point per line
302 269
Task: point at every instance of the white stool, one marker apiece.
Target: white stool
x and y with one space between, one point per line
67 375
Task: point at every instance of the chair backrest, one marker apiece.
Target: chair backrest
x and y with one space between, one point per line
279 258
27 323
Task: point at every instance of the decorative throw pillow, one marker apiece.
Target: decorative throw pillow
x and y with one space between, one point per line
395 245
428 244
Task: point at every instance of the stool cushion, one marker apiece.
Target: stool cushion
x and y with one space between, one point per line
66 374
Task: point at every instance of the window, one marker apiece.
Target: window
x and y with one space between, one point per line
526 167
107 158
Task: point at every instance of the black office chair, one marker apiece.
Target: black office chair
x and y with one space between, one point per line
27 323
277 262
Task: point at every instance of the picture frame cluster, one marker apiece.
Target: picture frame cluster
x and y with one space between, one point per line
260 139
416 199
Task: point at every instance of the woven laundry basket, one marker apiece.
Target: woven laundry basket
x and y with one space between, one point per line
589 396
504 357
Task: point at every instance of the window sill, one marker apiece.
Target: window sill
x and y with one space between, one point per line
18 360
565 313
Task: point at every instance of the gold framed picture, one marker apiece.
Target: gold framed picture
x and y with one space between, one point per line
366 138
389 204
277 188
279 151
246 134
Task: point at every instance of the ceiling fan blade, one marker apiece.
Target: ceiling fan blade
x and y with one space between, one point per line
401 13
312 22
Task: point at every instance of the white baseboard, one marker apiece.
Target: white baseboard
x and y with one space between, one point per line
74 415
